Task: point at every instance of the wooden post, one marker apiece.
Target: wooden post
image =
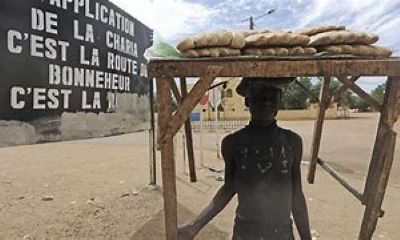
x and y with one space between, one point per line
184 110
387 120
323 105
331 171
342 89
361 93
308 91
382 159
175 90
167 159
189 136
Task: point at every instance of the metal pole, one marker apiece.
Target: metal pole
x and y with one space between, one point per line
201 138
216 123
251 23
184 152
152 143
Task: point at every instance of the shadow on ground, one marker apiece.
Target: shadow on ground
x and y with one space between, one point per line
154 229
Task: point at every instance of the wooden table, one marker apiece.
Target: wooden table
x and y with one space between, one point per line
346 69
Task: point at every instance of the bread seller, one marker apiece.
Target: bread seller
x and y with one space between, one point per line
262 166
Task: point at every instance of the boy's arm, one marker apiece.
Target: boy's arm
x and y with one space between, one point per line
299 207
190 229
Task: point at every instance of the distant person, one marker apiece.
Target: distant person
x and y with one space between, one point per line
262 166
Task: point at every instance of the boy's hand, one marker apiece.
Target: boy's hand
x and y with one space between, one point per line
186 232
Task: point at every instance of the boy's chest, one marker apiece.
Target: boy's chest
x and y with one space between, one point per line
263 161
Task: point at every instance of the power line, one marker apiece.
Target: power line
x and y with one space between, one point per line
265 14
252 19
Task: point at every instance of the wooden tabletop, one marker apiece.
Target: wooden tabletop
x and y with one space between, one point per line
255 66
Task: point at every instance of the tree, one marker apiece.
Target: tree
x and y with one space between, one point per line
360 104
379 93
294 96
347 99
333 86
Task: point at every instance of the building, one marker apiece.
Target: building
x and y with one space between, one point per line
231 107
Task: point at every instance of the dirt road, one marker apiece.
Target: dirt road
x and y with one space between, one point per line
97 188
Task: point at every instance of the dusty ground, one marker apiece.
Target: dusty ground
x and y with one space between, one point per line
87 178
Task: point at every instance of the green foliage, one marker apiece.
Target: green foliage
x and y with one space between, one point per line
379 93
347 99
359 104
334 85
294 96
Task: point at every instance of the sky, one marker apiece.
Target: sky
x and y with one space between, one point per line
173 20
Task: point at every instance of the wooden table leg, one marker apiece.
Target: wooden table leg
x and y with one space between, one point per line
189 136
323 105
167 160
382 160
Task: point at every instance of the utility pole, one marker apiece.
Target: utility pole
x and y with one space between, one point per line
251 23
252 20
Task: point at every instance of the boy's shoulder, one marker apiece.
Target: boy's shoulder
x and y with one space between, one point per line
235 135
231 139
291 136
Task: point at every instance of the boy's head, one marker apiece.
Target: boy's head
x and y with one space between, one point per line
262 95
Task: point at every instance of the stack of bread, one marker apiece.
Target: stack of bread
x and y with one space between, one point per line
335 40
215 44
339 40
278 44
247 33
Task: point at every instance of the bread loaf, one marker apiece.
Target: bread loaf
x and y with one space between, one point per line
276 39
310 31
186 45
357 50
279 51
373 51
310 50
296 51
342 37
215 39
247 33
211 52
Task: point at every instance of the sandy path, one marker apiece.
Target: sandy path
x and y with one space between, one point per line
103 169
